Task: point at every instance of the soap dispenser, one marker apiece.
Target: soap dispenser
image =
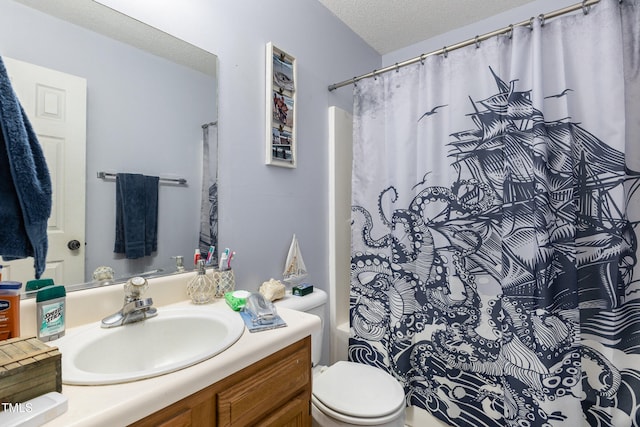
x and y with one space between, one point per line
201 289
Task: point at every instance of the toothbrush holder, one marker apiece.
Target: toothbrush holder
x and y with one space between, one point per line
224 281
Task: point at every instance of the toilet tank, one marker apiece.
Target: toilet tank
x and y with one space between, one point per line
313 303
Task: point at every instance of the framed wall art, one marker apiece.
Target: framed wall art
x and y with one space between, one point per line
280 108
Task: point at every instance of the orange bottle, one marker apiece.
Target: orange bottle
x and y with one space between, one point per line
9 309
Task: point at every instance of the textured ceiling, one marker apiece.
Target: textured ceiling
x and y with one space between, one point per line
388 25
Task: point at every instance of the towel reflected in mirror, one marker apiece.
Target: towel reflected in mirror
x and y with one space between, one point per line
136 215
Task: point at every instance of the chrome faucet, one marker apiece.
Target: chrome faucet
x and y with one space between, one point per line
134 308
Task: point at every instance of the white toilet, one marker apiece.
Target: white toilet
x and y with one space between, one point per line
347 393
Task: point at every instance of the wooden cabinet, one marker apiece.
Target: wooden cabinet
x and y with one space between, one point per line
276 391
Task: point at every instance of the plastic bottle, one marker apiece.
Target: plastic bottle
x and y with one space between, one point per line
9 309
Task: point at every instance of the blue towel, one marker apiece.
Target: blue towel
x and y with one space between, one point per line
25 184
136 215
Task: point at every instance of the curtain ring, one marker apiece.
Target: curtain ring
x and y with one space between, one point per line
445 52
531 23
354 82
541 18
373 74
397 67
510 31
422 57
477 41
585 8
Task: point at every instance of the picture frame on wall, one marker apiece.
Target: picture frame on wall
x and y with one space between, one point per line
281 148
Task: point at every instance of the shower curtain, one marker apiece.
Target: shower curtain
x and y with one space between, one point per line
208 236
495 219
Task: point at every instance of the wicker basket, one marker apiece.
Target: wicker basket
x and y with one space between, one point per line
28 368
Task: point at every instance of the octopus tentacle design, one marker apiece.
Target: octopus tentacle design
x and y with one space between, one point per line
481 326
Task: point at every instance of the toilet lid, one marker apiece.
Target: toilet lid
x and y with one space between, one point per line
358 390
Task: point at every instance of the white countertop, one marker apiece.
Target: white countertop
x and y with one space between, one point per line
122 404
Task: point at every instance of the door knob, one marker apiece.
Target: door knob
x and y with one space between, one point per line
74 245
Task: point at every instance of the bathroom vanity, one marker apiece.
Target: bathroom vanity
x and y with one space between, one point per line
262 378
273 391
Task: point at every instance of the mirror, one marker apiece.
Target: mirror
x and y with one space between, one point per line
148 95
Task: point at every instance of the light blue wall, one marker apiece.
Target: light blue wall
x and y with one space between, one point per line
264 205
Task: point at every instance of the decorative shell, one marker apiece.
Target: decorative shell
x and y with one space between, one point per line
103 273
272 290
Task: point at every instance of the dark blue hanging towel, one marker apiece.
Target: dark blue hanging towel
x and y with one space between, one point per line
136 215
25 184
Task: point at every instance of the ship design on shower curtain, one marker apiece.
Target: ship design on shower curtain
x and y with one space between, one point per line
492 300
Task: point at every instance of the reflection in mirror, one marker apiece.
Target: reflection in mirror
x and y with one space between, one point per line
148 96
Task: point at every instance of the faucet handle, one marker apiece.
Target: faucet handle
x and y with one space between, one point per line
135 287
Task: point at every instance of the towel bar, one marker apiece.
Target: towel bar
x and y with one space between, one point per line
179 181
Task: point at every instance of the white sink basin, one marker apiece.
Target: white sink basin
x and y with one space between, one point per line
176 338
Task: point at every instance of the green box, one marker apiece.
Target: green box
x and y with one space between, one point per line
302 289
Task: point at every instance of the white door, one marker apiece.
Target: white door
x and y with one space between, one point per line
56 103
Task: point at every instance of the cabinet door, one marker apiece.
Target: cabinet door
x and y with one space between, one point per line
294 414
197 410
267 386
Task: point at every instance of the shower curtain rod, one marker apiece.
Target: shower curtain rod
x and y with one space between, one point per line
585 5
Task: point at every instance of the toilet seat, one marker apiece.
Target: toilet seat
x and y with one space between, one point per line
328 413
358 394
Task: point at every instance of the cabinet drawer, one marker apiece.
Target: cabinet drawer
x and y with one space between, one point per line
263 391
